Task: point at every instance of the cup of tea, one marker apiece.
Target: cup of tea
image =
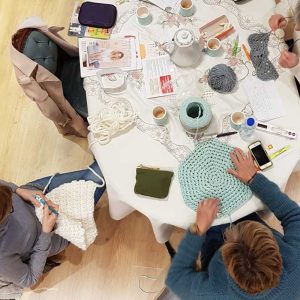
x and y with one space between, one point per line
160 116
213 46
186 8
143 15
236 120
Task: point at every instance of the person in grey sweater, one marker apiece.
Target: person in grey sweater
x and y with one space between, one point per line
25 243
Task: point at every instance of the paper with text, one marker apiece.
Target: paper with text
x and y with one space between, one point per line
157 76
264 99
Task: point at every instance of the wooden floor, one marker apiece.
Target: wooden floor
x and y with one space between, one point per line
125 260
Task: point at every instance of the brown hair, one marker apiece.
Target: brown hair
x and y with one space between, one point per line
5 201
251 256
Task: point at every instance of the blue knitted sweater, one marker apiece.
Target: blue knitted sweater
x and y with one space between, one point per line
216 283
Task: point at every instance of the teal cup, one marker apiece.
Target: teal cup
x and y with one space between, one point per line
160 115
143 15
213 47
187 8
237 119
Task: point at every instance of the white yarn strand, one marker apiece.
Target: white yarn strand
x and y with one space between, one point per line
114 117
97 175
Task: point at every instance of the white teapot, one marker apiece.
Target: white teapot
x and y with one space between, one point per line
185 50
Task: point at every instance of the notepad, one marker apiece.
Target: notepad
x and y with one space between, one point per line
264 99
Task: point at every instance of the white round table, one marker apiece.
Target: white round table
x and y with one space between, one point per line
164 147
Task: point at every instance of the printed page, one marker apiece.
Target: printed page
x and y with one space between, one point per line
264 99
119 54
157 77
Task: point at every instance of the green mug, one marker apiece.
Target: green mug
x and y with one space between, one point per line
187 8
160 115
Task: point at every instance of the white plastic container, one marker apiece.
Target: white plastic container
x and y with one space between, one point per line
248 128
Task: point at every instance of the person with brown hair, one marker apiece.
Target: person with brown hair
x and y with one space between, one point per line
25 243
246 260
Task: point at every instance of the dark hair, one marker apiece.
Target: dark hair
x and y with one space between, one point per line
251 256
5 201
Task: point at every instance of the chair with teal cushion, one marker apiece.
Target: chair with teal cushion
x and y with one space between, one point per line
46 53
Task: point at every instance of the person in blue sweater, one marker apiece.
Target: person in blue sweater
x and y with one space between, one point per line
252 261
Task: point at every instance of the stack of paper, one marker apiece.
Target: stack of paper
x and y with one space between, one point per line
264 99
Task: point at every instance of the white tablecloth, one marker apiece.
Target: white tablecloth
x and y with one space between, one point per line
148 144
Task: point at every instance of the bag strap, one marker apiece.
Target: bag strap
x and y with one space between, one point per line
97 175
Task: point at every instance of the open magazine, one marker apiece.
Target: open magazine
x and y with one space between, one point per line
120 53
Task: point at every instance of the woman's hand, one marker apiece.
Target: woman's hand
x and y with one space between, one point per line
28 195
206 213
288 59
245 169
277 21
49 218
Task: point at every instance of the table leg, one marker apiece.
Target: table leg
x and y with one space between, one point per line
170 249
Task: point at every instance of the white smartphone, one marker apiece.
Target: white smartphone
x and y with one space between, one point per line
260 155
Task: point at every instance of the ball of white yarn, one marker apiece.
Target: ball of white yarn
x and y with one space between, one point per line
279 33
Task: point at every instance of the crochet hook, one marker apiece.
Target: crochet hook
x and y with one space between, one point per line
43 202
211 136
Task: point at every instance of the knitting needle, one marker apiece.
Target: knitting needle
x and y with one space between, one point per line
246 52
291 46
167 9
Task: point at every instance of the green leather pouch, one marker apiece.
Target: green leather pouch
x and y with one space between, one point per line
152 182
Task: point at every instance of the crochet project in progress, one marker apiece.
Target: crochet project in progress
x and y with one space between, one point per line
222 79
75 221
203 174
258 43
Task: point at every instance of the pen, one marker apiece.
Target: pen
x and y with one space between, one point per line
235 46
275 154
246 52
220 134
43 202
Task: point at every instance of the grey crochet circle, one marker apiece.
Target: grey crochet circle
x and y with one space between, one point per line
222 79
203 174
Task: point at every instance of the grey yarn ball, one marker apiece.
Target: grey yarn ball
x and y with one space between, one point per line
222 79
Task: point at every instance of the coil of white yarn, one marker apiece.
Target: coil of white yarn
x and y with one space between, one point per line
114 116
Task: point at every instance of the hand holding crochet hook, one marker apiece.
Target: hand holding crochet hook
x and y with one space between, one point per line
50 213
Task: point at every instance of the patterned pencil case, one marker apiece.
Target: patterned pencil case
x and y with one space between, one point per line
152 182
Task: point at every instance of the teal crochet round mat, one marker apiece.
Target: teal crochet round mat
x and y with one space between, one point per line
203 174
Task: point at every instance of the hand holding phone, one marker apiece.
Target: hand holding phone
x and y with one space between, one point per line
260 155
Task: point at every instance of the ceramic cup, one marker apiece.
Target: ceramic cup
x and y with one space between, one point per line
186 8
143 15
213 46
236 120
160 116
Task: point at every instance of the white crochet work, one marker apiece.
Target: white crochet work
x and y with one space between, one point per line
114 116
75 221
